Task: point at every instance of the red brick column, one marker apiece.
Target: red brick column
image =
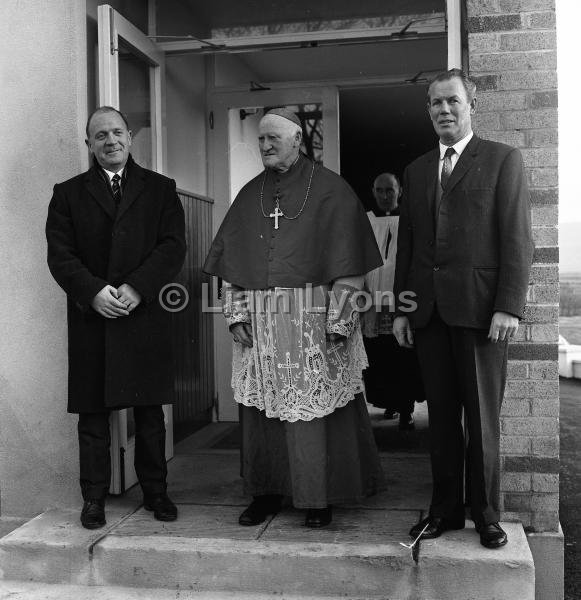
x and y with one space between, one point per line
512 55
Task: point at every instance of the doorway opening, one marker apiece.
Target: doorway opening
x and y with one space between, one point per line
376 121
382 129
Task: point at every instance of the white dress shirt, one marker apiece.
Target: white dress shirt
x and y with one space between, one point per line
458 149
110 174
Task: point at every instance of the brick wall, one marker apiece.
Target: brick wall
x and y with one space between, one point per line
512 56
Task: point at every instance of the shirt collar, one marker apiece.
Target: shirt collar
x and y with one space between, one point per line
458 146
110 174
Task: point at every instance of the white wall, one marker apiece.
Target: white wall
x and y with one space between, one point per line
43 74
186 122
231 70
245 159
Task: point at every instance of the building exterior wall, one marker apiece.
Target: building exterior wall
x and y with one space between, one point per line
512 55
43 69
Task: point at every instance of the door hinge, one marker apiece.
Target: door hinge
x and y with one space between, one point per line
112 34
211 119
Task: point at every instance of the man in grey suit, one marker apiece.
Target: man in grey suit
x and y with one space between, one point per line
465 249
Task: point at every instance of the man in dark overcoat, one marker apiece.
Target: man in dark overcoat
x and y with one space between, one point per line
464 249
116 236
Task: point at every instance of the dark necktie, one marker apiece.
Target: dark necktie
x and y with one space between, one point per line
116 188
446 168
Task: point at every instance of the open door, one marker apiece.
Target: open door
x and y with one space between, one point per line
131 79
236 160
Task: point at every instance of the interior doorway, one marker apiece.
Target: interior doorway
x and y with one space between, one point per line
381 119
235 152
382 128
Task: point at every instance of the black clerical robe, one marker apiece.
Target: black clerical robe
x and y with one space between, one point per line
332 458
330 238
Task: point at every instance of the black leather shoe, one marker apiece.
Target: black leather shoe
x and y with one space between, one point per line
492 535
435 527
93 514
259 509
319 517
163 508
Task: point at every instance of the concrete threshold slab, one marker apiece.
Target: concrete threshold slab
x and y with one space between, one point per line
20 590
358 554
456 565
54 548
205 552
213 477
8 524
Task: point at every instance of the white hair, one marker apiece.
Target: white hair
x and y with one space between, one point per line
289 128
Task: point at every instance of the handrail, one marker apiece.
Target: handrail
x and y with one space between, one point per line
196 196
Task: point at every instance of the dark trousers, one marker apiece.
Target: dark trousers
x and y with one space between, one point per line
392 380
462 369
95 459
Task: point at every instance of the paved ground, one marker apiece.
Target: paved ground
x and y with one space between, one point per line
570 492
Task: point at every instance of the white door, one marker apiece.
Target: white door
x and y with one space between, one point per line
132 80
236 160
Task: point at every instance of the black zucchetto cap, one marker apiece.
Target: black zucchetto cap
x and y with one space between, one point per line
285 113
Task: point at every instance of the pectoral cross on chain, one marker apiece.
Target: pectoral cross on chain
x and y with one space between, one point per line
276 214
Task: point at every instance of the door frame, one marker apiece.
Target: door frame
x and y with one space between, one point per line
112 26
220 102
216 99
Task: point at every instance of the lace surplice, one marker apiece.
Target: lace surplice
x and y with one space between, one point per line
294 371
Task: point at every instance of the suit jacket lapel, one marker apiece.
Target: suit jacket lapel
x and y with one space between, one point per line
99 189
463 165
134 185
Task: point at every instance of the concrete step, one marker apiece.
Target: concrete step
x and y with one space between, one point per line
205 551
206 555
19 590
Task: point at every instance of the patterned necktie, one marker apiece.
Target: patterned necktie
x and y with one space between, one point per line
446 168
116 188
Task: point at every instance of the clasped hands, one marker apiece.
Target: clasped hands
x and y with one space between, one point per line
113 302
503 326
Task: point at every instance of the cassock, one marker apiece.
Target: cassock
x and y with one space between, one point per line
305 428
392 380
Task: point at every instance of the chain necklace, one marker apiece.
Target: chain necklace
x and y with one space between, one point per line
277 212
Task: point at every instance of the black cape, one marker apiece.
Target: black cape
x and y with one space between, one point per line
331 238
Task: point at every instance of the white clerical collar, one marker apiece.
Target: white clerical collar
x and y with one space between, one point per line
110 174
458 146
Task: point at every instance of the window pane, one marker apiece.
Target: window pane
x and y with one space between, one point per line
135 102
